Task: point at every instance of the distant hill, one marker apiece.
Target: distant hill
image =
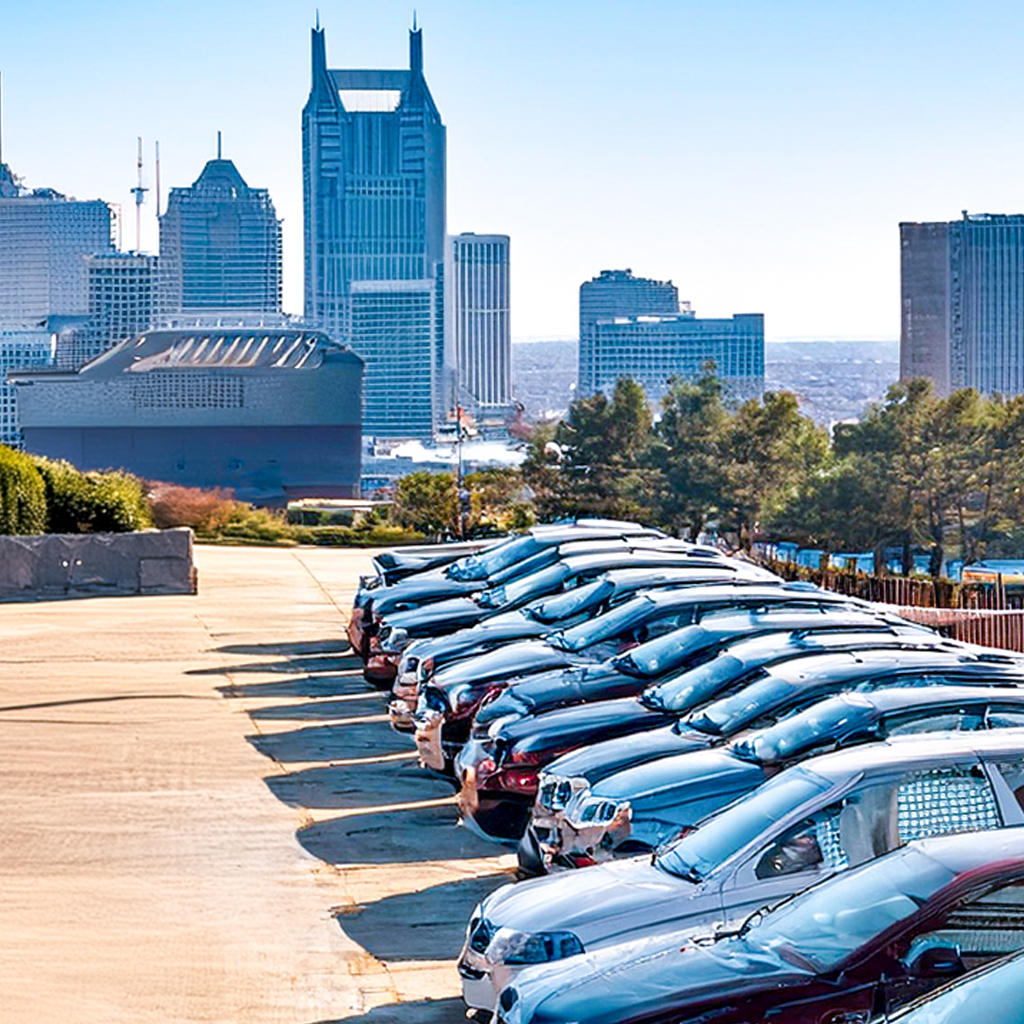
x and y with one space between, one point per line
834 380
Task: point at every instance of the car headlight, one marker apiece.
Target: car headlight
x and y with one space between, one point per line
596 810
395 640
461 697
512 947
557 792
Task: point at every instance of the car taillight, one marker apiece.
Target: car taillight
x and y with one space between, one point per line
523 780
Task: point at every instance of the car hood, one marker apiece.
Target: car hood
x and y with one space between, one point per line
414 592
646 979
582 723
600 904
513 659
680 777
603 758
552 689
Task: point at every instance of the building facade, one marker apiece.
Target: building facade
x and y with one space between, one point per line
653 349
616 293
270 414
43 237
220 245
374 228
478 317
122 290
20 347
962 303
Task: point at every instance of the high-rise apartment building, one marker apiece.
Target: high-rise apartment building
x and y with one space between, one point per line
962 303
478 317
611 294
374 219
220 245
43 237
122 293
652 349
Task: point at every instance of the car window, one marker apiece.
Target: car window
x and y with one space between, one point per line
946 719
1012 773
944 801
571 603
1005 717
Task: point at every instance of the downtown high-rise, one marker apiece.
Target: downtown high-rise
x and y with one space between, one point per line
962 303
478 314
374 219
616 293
220 246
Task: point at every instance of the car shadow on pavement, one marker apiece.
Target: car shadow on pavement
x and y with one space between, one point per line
310 647
425 925
293 665
302 686
406 836
363 785
332 742
356 705
422 1011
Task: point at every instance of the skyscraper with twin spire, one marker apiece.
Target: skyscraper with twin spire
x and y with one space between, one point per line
374 219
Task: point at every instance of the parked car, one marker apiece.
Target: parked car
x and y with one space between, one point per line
423 657
576 565
866 941
817 818
641 808
992 993
500 775
761 662
452 697
477 569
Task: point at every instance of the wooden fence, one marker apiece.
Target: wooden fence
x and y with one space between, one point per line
979 614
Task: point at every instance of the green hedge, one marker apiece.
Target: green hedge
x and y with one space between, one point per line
111 502
22 494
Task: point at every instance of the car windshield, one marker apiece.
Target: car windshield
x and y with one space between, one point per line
487 563
730 714
520 590
989 995
603 627
701 851
564 606
805 730
833 920
662 654
696 685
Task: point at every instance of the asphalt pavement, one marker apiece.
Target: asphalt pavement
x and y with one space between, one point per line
207 818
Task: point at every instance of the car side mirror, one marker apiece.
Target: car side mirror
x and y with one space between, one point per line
934 959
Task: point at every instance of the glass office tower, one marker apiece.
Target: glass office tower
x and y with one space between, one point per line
374 220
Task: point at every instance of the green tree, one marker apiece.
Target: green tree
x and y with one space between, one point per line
691 455
772 451
427 502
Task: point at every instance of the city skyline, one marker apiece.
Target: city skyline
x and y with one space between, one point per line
760 158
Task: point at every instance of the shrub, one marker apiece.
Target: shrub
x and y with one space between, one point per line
22 494
205 511
111 502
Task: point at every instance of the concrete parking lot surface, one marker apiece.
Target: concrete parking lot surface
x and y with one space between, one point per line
207 818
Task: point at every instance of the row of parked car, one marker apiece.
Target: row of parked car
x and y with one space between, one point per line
739 799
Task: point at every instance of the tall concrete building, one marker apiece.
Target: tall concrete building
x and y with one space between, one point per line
652 349
122 293
43 237
220 245
616 293
478 318
374 218
962 303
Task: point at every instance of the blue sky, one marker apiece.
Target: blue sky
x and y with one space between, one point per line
759 154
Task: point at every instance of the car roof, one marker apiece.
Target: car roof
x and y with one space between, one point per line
651 557
809 669
914 751
770 591
899 697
